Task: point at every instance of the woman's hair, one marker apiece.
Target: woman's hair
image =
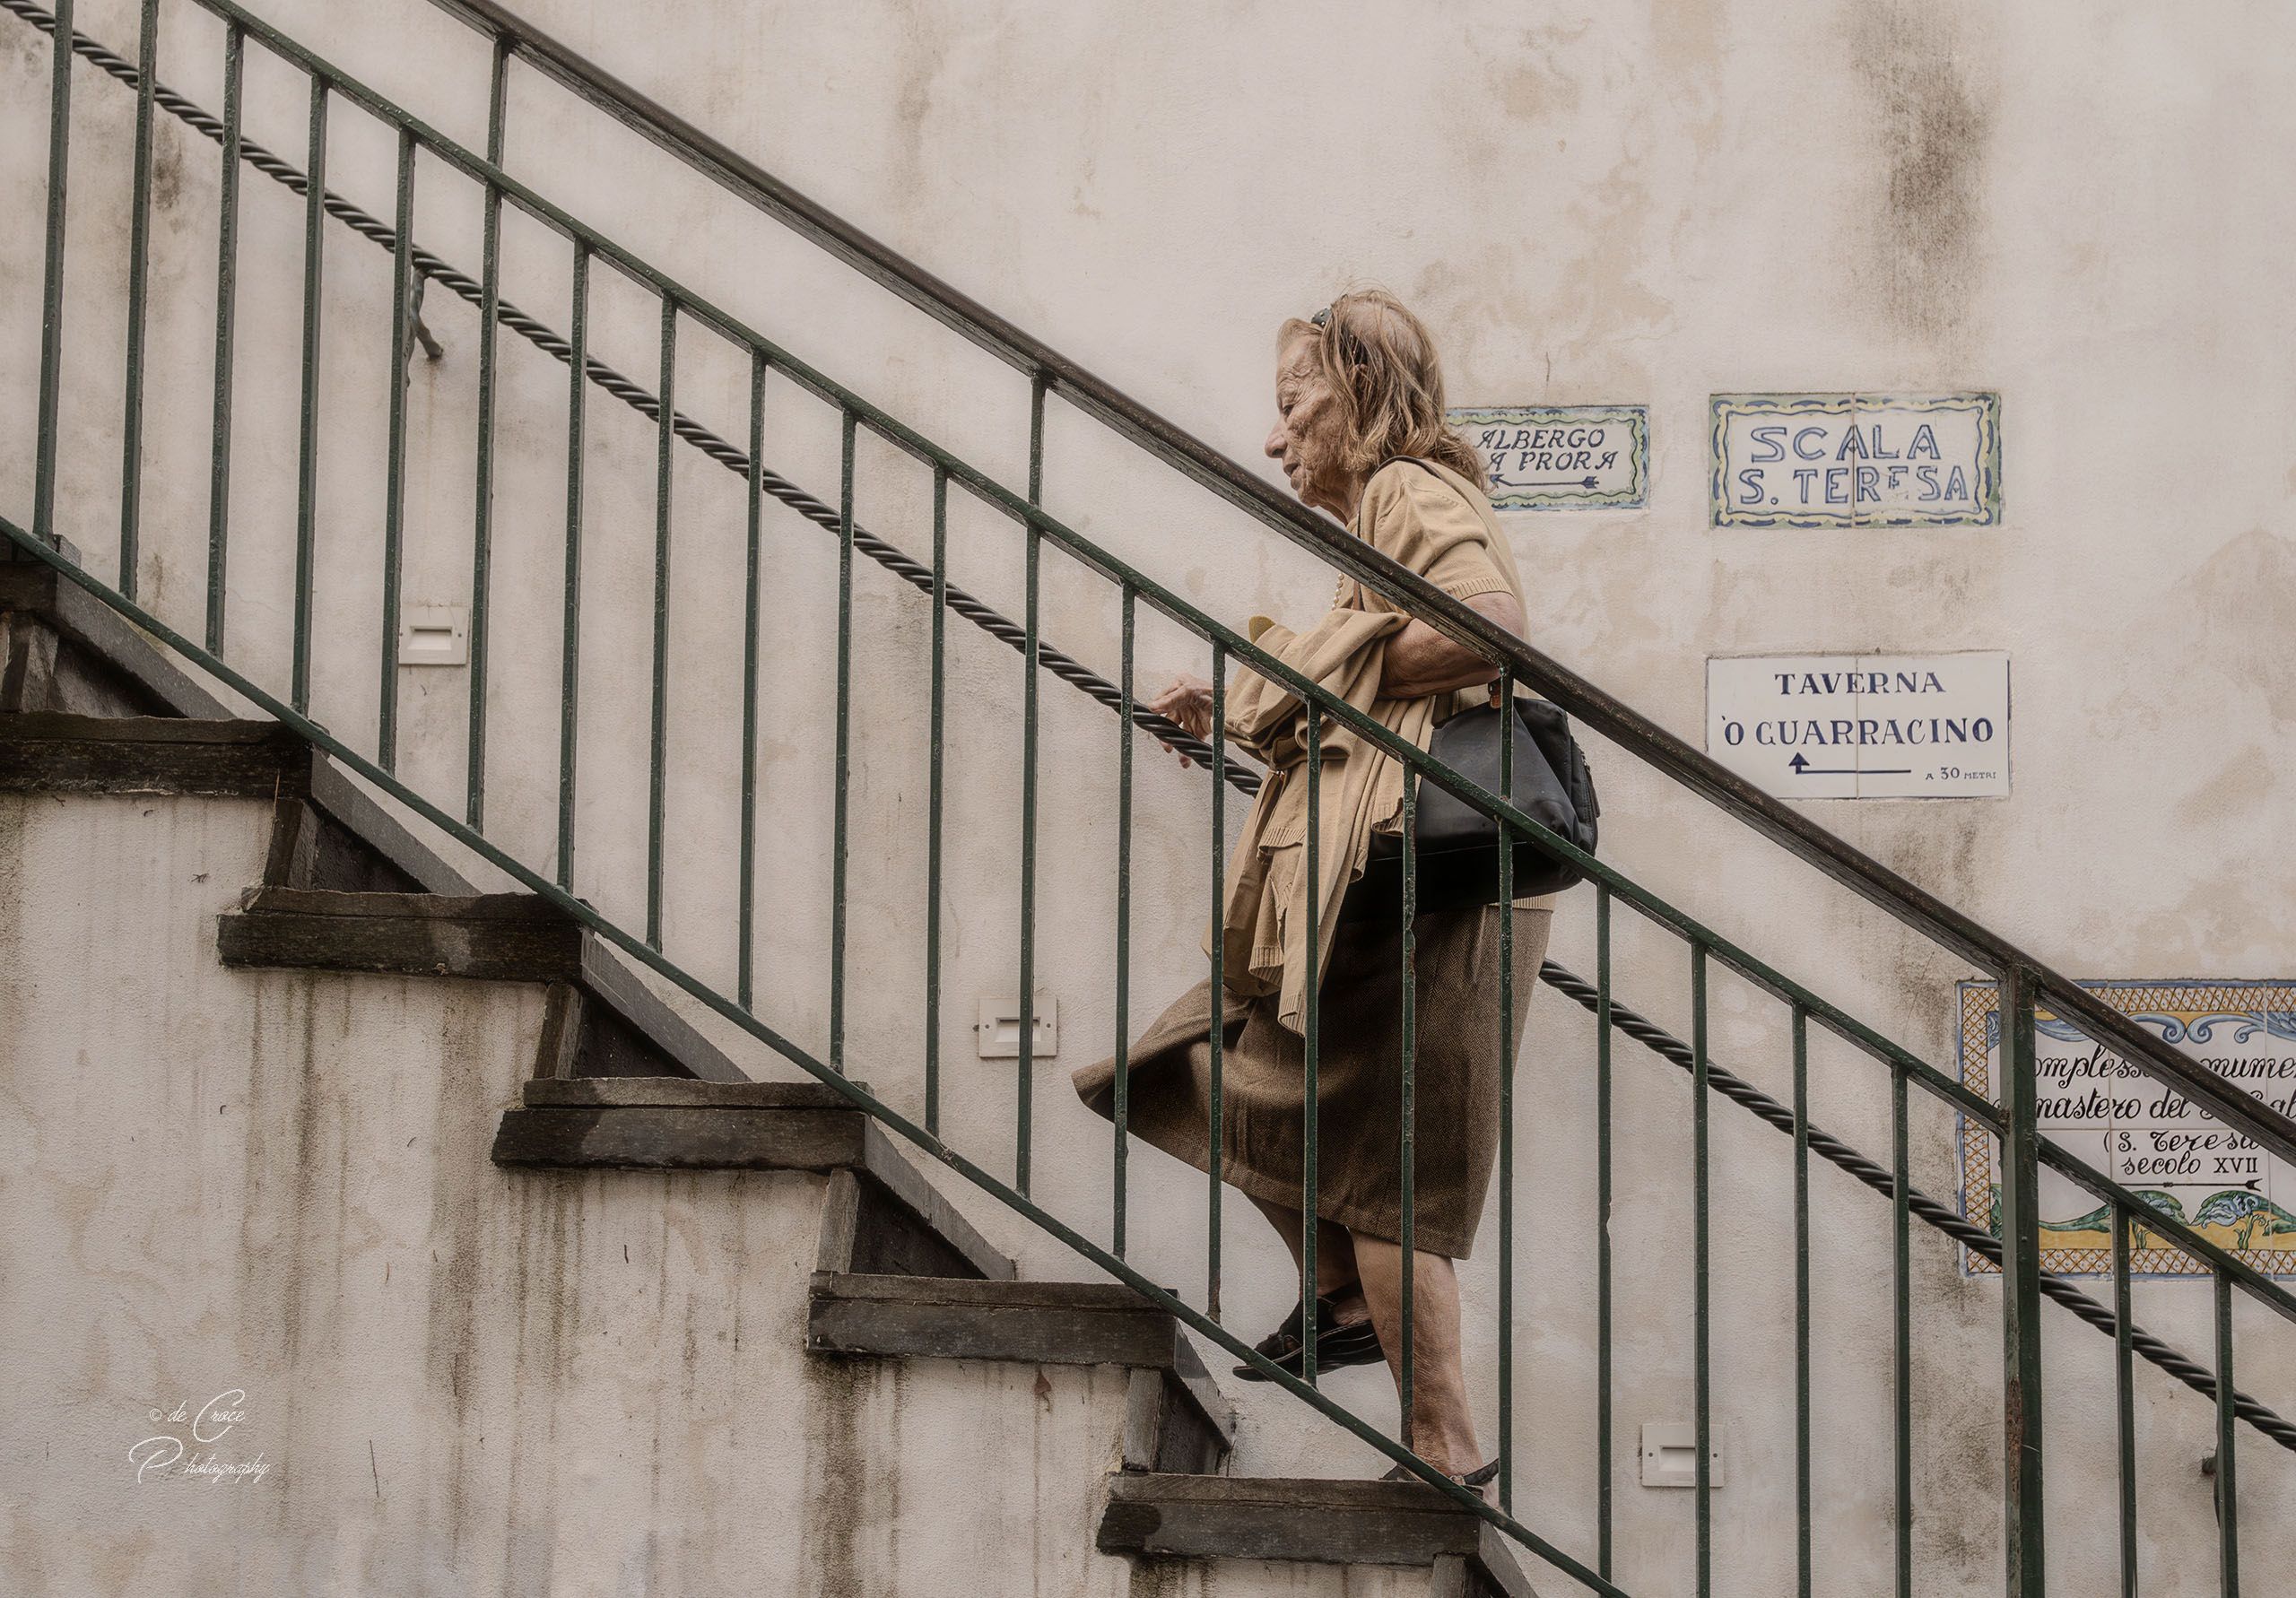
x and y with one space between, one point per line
1380 364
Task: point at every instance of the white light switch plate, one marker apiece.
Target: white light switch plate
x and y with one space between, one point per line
1670 1454
433 635
999 1030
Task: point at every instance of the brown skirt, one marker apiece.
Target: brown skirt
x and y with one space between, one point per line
1458 1063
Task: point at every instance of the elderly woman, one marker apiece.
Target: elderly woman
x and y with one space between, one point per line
1360 433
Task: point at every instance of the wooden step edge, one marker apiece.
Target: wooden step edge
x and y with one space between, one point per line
964 1293
55 752
1036 1322
62 726
491 937
272 899
679 1137
639 1092
1042 1323
499 936
1175 1516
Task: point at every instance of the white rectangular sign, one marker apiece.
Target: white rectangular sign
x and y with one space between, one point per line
1863 727
1561 457
1855 460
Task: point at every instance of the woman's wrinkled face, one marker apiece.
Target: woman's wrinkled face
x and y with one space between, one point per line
1309 436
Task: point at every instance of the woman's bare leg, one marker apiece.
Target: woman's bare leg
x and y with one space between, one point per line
1335 1259
1439 1428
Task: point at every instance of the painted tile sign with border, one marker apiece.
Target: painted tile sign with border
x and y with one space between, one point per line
1561 457
1855 460
2142 1132
1863 727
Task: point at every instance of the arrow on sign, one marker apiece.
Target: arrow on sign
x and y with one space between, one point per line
2210 1186
1585 483
1802 767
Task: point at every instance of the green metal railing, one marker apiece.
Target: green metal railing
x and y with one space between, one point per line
2026 985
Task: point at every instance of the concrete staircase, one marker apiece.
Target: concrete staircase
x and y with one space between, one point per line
526 1286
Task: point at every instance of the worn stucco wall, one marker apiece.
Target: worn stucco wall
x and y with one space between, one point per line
1648 203
276 1326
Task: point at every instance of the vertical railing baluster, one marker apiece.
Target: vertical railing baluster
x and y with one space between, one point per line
1802 1301
2228 1493
933 804
844 746
227 298
2124 1399
1409 1117
139 276
571 636
658 746
1901 1304
1603 1230
1309 1197
1702 1263
750 602
51 304
1026 1086
1219 1109
307 449
2021 1333
1507 1098
394 483
490 296
1124 734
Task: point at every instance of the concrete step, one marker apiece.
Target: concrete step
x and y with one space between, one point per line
1352 1523
886 1217
1178 1420
602 1021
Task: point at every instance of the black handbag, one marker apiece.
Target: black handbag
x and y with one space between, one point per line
1454 859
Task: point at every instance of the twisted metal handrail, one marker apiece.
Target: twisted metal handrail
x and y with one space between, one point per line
2061 1289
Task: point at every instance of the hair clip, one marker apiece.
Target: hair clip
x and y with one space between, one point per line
1321 317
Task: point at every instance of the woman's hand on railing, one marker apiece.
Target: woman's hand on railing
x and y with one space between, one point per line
1188 702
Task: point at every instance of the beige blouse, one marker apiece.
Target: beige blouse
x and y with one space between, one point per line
1441 527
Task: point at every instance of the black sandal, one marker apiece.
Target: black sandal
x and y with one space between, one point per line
1336 1346
1477 1478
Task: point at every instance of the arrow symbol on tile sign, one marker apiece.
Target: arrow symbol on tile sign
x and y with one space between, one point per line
1585 482
2252 1184
1802 767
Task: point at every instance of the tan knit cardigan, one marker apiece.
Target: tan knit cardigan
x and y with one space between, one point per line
1439 524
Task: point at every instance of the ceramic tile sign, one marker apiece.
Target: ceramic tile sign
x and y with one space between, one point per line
2144 1135
1863 727
1561 457
1855 460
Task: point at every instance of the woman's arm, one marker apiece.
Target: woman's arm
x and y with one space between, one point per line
1421 661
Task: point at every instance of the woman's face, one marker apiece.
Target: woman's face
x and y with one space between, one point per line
1309 436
